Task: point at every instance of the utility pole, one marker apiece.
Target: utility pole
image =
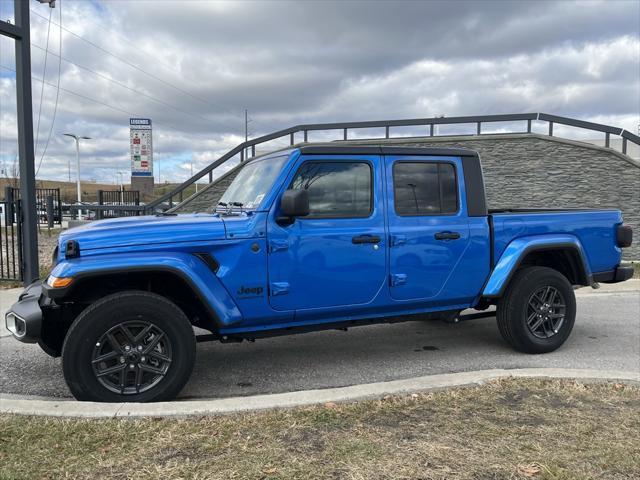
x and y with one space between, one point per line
437 132
247 120
246 125
79 190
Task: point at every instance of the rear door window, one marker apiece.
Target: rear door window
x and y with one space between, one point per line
425 188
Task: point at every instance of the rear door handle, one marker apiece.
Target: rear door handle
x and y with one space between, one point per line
365 239
447 236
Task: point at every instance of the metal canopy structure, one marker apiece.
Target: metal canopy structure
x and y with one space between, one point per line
20 33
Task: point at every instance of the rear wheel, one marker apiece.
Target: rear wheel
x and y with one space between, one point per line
538 310
129 347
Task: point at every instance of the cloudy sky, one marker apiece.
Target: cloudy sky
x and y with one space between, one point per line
194 66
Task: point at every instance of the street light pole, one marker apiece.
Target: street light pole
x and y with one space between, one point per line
121 187
77 138
192 174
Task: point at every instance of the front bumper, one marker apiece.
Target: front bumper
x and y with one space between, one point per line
618 274
24 318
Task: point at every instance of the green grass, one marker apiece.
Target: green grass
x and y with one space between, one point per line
636 267
507 429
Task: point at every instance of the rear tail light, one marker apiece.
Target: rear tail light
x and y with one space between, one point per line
624 236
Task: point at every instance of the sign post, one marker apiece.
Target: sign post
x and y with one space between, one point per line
141 144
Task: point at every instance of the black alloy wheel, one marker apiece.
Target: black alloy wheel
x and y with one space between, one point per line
545 312
537 310
132 357
130 346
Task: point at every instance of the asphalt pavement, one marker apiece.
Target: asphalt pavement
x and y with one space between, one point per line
606 336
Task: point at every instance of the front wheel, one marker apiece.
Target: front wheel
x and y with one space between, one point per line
538 310
129 347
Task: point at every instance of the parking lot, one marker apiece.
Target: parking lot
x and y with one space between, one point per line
606 336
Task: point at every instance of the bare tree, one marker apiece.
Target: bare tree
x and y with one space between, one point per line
15 172
310 174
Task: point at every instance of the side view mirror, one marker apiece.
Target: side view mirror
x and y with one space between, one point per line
294 203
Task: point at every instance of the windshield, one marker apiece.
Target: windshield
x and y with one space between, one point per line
252 183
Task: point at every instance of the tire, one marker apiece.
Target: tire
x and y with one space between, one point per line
527 321
138 339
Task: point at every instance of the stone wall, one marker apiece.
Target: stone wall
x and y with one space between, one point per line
532 170
529 170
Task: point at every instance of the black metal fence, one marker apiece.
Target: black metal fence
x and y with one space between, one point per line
10 240
107 211
43 195
117 199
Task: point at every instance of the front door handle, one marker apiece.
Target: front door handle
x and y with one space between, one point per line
365 239
447 236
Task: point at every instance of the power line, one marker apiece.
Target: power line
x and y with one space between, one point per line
120 84
130 114
55 107
128 42
132 65
44 75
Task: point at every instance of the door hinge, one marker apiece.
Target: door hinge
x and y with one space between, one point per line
398 279
279 288
397 240
278 245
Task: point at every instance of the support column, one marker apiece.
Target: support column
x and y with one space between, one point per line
25 145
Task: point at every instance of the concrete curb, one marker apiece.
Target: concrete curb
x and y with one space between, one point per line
65 408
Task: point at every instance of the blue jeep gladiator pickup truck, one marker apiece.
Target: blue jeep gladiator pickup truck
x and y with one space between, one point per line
313 237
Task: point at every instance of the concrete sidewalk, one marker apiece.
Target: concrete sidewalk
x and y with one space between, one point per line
10 296
7 298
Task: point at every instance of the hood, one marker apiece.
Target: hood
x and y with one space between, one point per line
147 230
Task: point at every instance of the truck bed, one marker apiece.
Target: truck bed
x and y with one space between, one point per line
595 229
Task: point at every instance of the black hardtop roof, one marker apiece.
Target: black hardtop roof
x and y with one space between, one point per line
341 149
472 170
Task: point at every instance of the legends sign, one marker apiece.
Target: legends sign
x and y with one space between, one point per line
141 147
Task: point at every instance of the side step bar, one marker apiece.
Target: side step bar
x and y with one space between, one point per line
453 317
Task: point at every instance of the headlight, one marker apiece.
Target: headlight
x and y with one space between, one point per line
59 282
